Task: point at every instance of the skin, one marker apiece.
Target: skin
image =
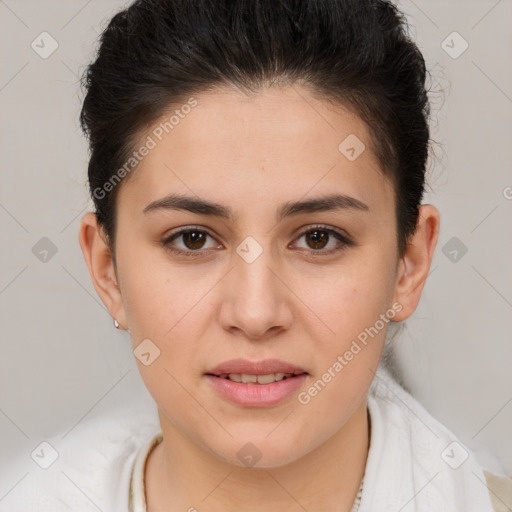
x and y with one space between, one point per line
252 154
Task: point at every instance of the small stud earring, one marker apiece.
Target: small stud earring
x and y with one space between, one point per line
116 324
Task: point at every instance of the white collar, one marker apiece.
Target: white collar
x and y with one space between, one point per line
411 463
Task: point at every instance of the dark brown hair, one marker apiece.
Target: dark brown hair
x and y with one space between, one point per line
355 53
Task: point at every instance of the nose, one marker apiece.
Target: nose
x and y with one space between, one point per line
256 301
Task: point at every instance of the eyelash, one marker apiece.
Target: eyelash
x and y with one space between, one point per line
345 242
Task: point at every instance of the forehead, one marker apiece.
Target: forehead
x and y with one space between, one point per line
282 140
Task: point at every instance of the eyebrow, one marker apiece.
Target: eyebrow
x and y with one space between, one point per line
200 206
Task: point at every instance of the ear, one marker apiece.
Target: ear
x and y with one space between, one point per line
414 265
101 267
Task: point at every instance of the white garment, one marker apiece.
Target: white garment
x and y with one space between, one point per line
412 464
137 502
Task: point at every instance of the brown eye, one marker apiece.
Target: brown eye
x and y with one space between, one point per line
317 239
193 240
189 242
324 241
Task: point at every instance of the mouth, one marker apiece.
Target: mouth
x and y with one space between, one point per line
248 378
238 368
256 384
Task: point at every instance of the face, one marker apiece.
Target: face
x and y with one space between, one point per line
263 273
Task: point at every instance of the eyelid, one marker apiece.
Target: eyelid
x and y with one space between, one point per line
306 228
192 227
180 231
344 239
340 235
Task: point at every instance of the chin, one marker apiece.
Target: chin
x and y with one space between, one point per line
259 452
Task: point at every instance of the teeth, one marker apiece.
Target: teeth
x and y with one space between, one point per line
266 379
253 379
248 378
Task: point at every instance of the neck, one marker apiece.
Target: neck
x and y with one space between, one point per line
180 475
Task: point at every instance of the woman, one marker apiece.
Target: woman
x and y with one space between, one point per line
257 170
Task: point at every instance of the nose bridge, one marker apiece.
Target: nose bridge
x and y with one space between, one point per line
255 302
252 274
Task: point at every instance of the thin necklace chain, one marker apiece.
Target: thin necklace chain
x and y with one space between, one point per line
355 506
357 502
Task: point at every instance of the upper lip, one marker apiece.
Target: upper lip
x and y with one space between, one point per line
263 367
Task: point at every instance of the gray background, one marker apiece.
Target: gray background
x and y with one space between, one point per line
61 360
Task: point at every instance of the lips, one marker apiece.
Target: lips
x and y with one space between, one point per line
264 367
263 383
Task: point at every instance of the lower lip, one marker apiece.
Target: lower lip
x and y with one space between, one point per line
256 395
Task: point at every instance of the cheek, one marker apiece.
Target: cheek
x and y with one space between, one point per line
160 297
357 310
350 300
163 306
348 352
161 303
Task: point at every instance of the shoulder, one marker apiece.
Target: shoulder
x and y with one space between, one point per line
417 452
86 468
500 490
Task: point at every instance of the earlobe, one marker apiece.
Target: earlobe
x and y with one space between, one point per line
98 258
415 264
